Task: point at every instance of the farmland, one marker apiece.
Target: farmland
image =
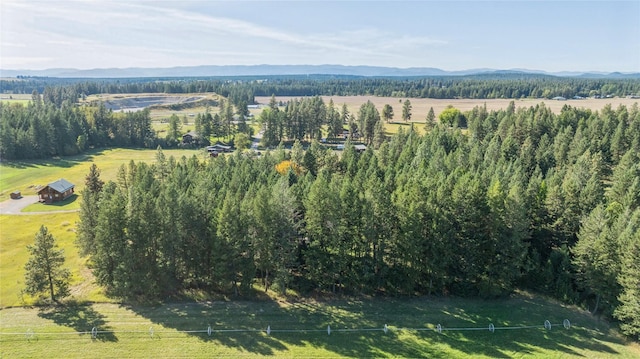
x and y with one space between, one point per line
420 106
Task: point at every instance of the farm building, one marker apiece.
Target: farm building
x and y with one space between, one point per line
56 191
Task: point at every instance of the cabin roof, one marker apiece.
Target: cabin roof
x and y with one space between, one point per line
61 185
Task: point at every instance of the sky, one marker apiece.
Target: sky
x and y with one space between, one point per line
450 35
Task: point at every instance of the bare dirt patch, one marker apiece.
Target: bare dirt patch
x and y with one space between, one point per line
137 102
420 106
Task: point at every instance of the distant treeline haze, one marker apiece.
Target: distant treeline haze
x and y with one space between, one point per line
525 199
245 88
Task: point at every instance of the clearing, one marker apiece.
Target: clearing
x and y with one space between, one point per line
137 102
420 106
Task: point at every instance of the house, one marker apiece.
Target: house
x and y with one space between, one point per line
56 191
218 147
189 137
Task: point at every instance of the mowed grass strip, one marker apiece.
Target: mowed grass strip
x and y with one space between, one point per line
180 330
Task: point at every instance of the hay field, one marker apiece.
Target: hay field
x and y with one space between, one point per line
420 106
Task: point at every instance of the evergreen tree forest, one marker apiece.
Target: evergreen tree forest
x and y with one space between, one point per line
53 124
520 199
240 89
43 129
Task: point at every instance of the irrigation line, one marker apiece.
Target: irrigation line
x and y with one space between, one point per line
209 331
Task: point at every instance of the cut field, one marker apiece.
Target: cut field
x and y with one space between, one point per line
420 106
15 98
299 329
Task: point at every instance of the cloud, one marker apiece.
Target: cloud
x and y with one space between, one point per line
15 62
116 34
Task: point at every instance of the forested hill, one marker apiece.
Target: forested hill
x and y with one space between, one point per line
283 70
526 199
245 88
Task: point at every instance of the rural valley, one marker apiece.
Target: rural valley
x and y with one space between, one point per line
312 179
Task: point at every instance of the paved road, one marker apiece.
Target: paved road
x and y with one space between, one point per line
15 206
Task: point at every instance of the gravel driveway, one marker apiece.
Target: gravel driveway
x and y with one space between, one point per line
14 206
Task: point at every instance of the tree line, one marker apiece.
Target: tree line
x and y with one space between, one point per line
246 88
525 199
43 130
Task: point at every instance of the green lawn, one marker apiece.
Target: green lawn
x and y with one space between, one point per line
24 176
70 204
18 231
161 331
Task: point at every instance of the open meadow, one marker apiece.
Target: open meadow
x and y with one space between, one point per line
15 98
25 176
420 106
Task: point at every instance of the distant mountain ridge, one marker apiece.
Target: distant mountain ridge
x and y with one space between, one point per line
274 70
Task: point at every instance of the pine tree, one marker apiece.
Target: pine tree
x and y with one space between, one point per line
44 271
406 111
430 120
387 113
628 312
596 258
89 211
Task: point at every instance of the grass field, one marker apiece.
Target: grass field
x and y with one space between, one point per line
420 106
161 331
26 175
15 98
17 232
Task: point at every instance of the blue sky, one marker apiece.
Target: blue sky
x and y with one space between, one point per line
451 35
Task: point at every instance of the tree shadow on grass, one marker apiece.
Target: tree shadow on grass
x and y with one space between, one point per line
230 323
65 202
520 312
61 162
242 325
80 317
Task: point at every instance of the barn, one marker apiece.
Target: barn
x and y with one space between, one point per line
56 191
